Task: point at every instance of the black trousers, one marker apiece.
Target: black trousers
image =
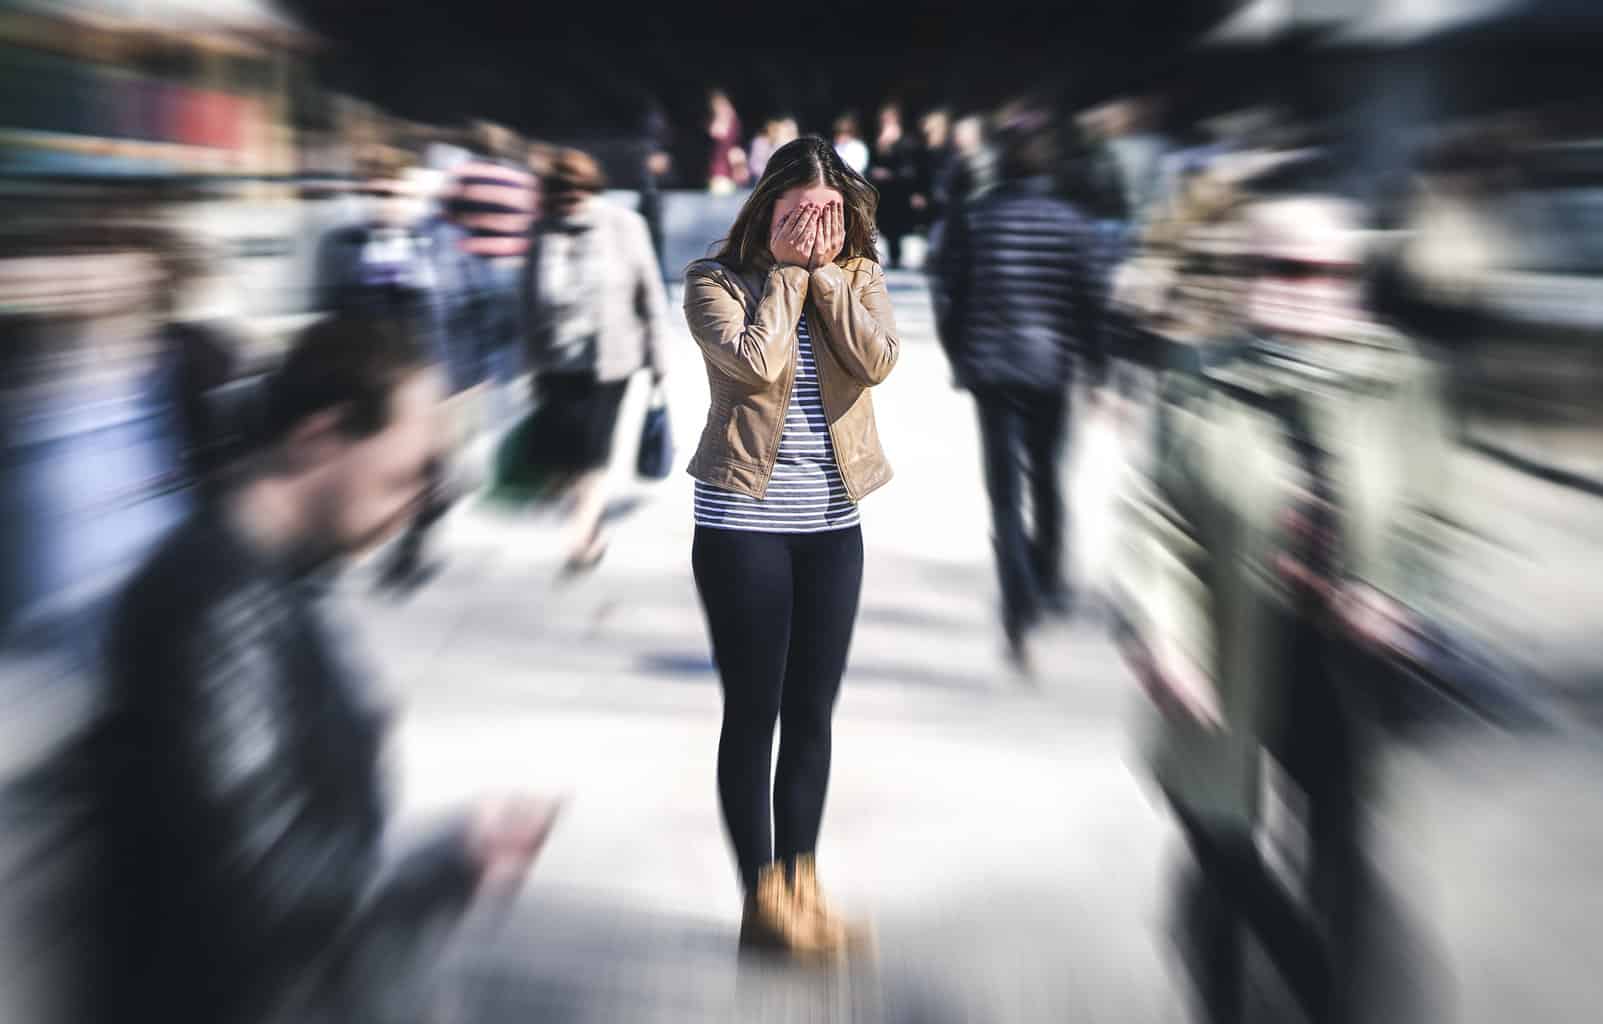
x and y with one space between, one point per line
780 610
1312 943
1023 432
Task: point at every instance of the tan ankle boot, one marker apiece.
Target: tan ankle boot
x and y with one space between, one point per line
773 920
833 929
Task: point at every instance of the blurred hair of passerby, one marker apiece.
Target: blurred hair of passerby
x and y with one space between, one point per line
894 167
726 162
597 314
243 870
795 326
1019 312
1296 488
849 144
776 133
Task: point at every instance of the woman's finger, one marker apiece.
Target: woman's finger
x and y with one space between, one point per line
797 224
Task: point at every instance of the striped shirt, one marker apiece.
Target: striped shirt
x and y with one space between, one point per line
806 493
495 202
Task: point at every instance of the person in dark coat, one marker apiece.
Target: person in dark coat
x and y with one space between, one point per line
241 871
1018 312
894 168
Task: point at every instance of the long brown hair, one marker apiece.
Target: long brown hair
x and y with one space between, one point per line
806 162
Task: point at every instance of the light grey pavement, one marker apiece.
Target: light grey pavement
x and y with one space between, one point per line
995 830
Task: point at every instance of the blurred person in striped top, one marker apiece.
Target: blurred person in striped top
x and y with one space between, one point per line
495 197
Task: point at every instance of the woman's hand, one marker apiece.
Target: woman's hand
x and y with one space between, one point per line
831 236
793 239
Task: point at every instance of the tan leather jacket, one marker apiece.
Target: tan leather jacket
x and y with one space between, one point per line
745 324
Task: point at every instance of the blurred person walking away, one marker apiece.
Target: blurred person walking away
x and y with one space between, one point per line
849 144
1132 132
726 162
495 198
795 325
894 169
390 265
776 132
929 200
656 137
1018 309
1132 154
966 170
243 869
1284 559
597 315
972 170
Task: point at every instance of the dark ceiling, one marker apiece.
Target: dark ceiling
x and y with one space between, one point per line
587 70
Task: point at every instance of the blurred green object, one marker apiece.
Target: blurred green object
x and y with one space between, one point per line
518 479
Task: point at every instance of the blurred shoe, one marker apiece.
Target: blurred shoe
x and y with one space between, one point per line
773 921
832 927
584 562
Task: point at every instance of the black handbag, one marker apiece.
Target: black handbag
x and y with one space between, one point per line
655 459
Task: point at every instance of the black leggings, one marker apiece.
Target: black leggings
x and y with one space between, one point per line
780 609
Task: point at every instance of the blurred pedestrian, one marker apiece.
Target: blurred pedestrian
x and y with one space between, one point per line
242 872
1130 131
1019 309
795 326
849 144
1285 551
495 198
894 168
656 137
382 263
972 169
928 200
391 264
776 132
597 312
726 164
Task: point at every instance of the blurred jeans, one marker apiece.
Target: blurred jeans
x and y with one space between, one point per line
1022 433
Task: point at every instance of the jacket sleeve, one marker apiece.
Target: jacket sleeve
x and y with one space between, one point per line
752 351
651 299
860 329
